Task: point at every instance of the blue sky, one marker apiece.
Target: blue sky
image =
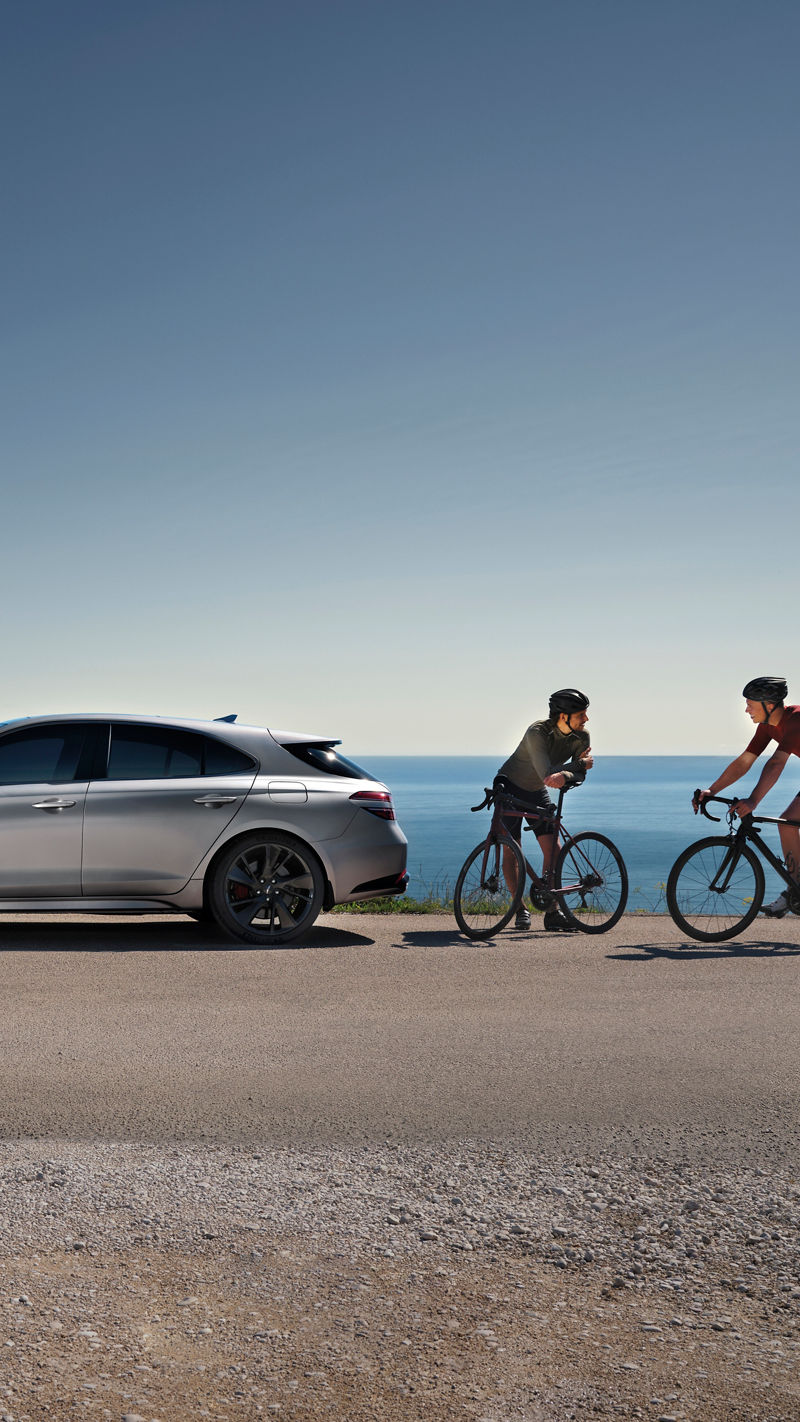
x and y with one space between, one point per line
373 369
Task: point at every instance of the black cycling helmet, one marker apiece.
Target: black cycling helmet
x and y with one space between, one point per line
568 700
766 688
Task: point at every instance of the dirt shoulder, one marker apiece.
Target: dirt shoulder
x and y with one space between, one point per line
141 1283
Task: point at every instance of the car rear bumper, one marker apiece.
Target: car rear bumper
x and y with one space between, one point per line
383 888
371 866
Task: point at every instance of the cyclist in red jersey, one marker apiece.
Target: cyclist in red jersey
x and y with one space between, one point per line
765 697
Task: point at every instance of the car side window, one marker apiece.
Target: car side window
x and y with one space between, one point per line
153 753
168 753
42 755
220 759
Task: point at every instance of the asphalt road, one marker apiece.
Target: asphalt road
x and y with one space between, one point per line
398 1028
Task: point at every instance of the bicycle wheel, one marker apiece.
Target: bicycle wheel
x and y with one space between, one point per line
591 882
715 888
483 902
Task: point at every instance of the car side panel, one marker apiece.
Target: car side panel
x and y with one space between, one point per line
40 848
148 836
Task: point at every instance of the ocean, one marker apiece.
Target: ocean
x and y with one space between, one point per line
639 802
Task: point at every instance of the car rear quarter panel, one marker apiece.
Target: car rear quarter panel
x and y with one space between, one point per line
352 845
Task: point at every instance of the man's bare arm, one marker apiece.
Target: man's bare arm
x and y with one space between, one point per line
732 772
769 775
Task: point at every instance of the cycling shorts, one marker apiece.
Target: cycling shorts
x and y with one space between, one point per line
535 799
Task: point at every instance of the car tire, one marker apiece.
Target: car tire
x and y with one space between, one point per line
266 889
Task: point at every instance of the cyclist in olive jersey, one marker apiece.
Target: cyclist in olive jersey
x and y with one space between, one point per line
552 754
765 697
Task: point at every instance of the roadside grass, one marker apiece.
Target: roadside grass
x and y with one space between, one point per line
651 900
396 905
438 898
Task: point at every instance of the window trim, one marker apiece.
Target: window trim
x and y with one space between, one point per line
40 730
102 759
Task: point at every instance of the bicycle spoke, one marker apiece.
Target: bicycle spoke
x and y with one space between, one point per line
591 882
715 889
483 901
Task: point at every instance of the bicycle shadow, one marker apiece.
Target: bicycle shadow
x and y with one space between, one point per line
442 938
690 951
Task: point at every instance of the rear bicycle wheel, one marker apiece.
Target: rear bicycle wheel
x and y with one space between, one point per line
715 889
483 902
591 882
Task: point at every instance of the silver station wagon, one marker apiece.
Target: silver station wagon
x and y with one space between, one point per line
256 830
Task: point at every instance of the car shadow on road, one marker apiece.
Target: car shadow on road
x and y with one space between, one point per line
181 936
690 951
321 937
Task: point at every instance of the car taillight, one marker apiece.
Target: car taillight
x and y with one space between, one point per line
378 802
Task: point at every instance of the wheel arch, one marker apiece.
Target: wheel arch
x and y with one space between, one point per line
329 899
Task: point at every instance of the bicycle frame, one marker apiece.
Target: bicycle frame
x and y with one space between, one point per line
498 834
745 833
584 877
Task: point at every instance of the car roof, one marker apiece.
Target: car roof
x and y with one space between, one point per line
222 726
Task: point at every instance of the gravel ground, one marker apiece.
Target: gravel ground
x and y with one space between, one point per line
148 1282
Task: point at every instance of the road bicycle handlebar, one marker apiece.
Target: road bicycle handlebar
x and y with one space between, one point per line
488 798
490 795
700 804
721 800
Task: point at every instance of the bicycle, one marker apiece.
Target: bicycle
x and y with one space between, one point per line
587 880
716 886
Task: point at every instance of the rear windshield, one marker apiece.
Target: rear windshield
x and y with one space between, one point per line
322 756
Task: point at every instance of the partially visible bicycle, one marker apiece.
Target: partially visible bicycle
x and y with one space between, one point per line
587 880
716 886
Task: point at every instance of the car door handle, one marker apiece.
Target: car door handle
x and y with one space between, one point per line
214 802
53 806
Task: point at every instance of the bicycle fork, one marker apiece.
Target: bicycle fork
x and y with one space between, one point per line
490 878
722 878
586 882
